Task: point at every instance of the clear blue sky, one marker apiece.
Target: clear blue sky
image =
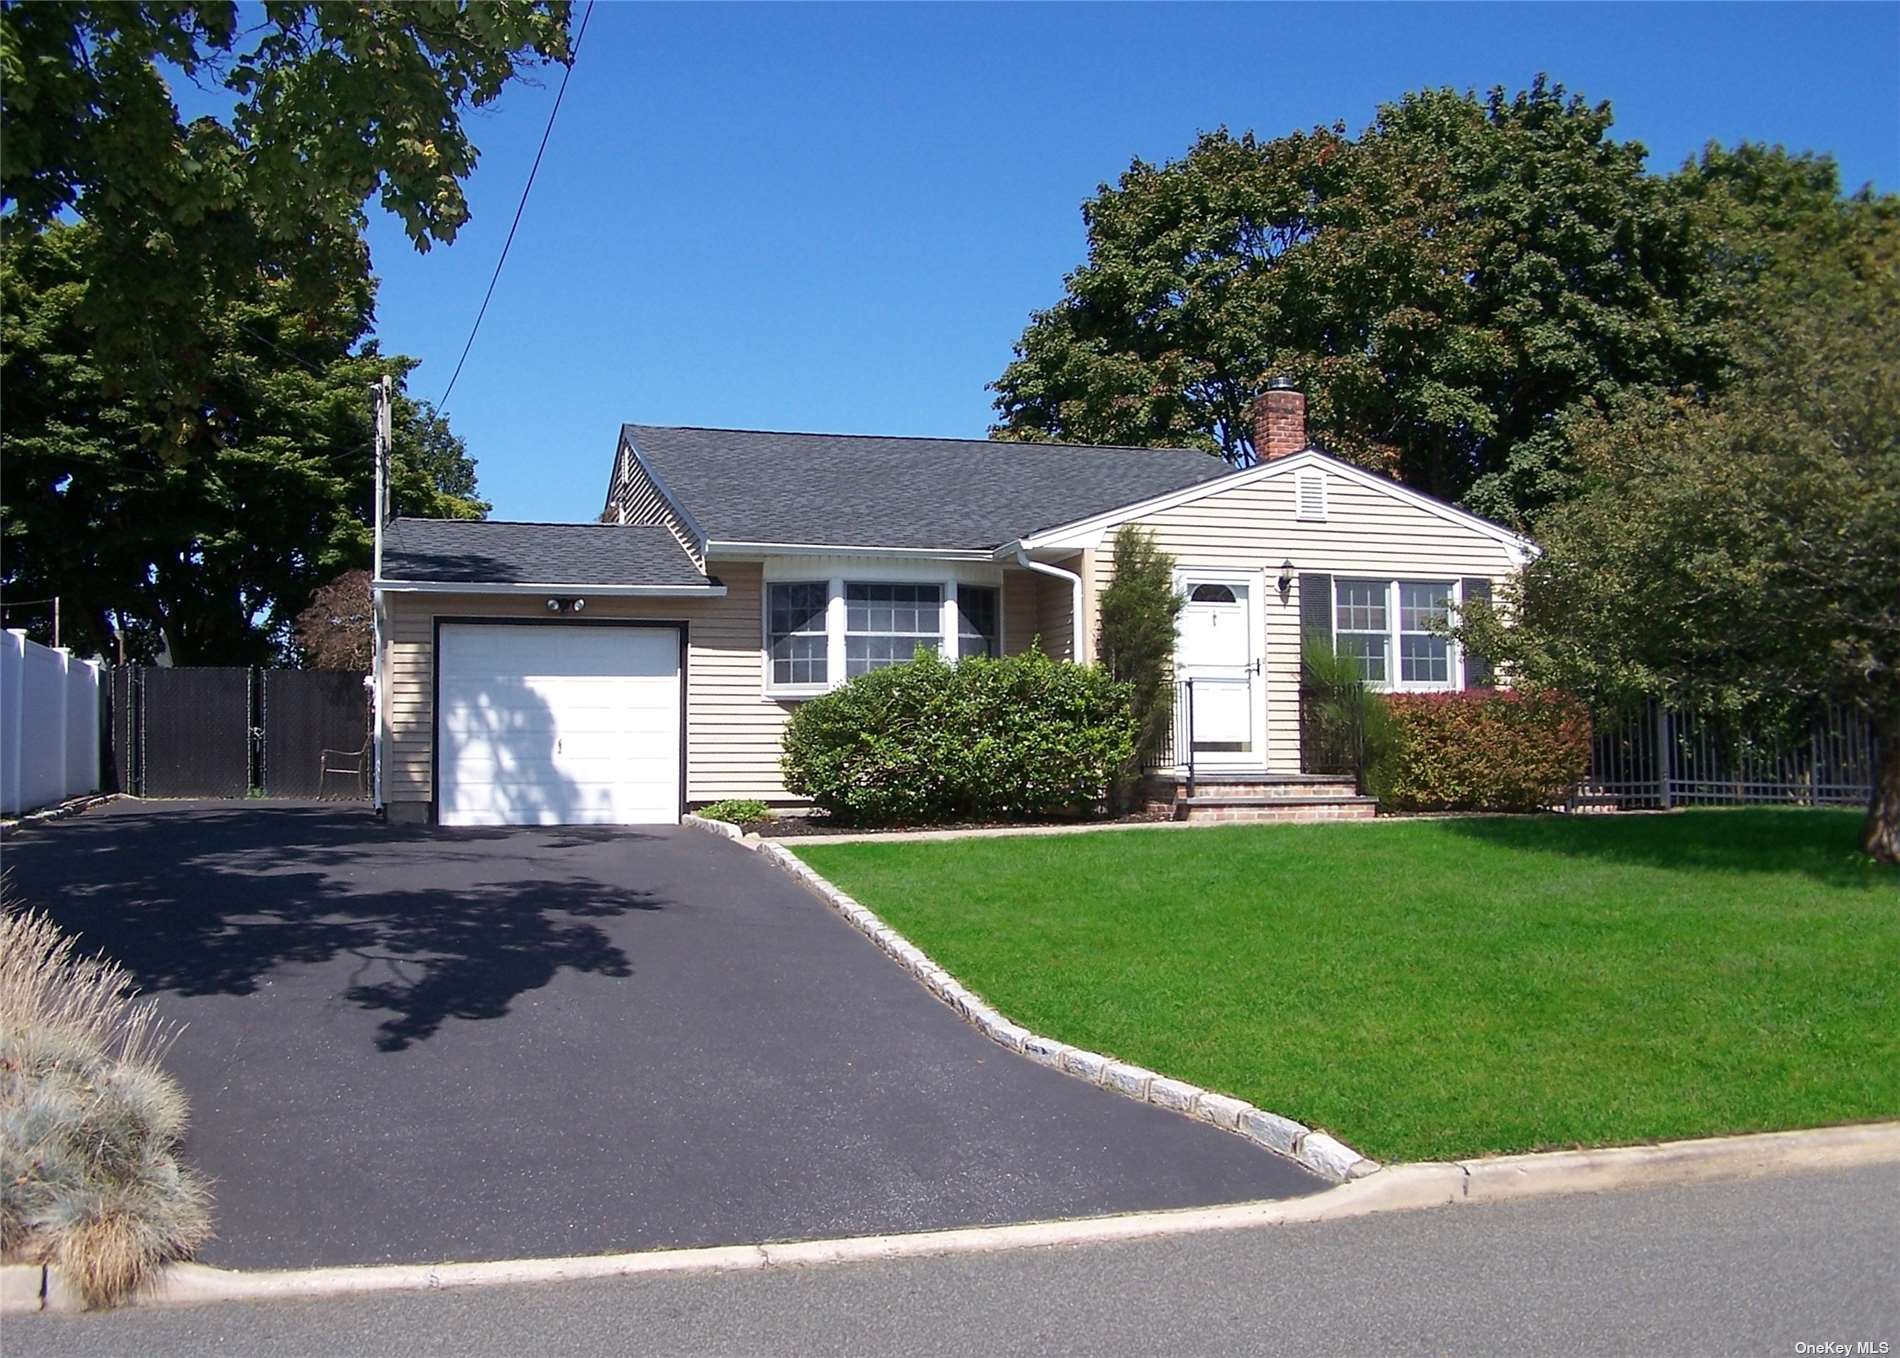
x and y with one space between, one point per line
839 218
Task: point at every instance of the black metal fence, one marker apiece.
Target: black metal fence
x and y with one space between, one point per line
218 731
1659 758
1333 729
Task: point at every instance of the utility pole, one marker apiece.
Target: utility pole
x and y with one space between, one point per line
380 511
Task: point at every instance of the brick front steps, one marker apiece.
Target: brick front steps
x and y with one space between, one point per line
1260 797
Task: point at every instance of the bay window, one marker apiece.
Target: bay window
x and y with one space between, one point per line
885 624
819 633
978 608
796 634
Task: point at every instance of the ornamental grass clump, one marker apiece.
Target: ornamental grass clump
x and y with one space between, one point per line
90 1124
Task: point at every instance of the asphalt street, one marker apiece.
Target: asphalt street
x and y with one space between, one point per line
1759 1267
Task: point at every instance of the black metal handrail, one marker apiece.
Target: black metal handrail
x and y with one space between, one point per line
1333 730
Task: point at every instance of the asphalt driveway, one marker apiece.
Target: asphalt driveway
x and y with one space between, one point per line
409 1045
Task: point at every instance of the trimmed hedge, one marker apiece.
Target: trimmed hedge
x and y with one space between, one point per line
1482 750
983 739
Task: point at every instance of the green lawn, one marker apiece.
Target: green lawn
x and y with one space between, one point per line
1441 988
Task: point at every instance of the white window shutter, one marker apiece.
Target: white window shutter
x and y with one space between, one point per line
1309 495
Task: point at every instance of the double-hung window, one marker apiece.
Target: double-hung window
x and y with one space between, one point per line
1424 652
977 609
1393 629
885 624
1360 627
796 634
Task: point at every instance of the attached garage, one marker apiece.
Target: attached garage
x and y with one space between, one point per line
558 723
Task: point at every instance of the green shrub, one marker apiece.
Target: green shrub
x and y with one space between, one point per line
736 810
89 1124
1484 750
983 739
1139 609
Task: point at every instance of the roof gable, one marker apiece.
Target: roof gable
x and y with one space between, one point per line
1092 526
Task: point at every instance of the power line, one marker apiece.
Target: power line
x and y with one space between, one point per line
533 169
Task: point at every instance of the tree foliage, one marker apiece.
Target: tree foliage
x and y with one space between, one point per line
1454 288
1136 644
336 630
213 521
1740 556
329 105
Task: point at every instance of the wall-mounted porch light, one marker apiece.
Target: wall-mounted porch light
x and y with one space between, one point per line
1286 578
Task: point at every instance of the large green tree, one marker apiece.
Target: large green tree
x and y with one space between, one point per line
1454 287
214 524
329 105
1743 555
188 300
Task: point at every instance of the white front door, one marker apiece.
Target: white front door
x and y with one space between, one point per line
557 724
1218 664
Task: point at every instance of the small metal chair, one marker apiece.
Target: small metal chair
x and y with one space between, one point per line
353 763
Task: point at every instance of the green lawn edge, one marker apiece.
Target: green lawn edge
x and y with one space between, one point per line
1444 988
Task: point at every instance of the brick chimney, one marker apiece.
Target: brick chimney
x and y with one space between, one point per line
1279 420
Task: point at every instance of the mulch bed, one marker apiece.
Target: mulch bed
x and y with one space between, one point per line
794 827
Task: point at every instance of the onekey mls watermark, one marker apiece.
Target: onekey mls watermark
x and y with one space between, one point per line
1844 1348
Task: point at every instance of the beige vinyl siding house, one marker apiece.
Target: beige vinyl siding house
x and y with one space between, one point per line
732 727
1368 532
626 670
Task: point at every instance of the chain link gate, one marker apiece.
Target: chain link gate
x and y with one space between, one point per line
231 731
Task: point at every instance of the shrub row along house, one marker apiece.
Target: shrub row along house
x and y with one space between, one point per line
621 672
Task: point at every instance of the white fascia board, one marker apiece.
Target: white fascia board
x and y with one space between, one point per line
598 591
752 551
666 492
1088 532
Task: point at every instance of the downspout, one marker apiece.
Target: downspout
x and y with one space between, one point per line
1075 596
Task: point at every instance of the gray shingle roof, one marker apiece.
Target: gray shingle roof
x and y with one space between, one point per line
851 490
451 551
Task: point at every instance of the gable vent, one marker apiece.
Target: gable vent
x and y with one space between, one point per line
1309 495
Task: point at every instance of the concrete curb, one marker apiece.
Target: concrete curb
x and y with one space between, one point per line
1319 1152
71 807
27 1288
723 828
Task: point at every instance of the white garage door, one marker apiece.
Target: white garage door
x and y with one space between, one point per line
557 725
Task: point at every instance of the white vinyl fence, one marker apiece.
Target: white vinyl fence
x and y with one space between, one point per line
49 724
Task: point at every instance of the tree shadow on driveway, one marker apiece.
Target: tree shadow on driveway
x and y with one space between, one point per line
209 900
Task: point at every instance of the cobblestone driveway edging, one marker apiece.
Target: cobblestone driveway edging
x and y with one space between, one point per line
1319 1151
